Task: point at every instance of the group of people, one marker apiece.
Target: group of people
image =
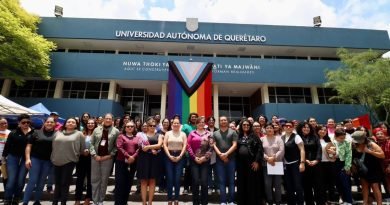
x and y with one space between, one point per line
315 163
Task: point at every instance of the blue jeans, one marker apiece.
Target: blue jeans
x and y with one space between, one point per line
39 171
343 182
16 177
225 173
174 170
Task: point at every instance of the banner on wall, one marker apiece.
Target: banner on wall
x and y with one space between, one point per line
189 89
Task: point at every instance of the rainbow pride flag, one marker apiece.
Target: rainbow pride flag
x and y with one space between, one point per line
189 89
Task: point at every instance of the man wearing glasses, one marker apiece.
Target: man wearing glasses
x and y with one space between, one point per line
13 155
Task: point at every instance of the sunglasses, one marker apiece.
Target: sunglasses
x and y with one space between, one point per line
152 125
129 126
25 122
3 123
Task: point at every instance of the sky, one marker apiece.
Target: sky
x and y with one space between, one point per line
364 14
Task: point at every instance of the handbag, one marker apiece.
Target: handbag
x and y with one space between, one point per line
4 172
361 168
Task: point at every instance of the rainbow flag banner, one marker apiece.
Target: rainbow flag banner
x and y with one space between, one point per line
189 89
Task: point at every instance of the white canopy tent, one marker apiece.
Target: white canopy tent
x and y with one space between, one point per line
8 107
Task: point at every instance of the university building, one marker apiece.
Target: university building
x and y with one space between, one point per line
121 66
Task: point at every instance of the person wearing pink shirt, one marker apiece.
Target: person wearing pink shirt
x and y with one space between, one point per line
199 148
126 162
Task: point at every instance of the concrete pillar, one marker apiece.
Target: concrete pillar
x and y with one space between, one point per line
215 55
112 90
163 100
6 87
59 88
314 95
216 104
264 94
116 51
166 53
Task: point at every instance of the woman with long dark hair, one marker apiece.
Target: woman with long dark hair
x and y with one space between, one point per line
68 145
84 120
249 173
262 119
327 165
313 174
84 165
38 151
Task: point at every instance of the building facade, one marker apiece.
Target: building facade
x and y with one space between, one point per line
121 66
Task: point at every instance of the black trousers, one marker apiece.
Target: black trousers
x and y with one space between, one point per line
62 178
200 173
312 182
124 177
249 183
83 168
329 177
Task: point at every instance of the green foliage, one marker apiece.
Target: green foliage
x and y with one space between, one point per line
362 79
23 53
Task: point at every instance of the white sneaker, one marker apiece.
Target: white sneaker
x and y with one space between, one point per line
232 203
223 204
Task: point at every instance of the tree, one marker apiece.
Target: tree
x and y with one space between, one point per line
23 53
362 79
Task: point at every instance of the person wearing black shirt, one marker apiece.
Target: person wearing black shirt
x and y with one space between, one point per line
294 160
13 155
249 158
313 174
38 152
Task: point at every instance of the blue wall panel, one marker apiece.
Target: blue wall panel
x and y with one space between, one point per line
143 67
82 28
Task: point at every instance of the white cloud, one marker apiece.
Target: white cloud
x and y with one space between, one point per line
351 14
280 12
119 9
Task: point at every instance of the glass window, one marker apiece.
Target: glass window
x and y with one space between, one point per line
93 86
289 95
298 99
324 95
296 91
282 91
235 100
235 108
87 90
92 95
79 85
33 88
139 92
223 99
